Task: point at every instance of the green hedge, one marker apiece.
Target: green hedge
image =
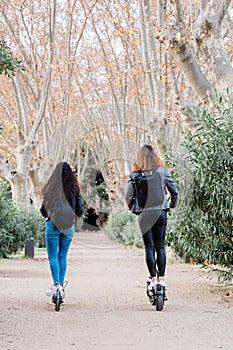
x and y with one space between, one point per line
202 225
17 226
122 226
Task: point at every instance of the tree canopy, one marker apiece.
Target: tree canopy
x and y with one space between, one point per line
140 64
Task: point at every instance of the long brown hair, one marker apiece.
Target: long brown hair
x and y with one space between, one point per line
62 179
146 159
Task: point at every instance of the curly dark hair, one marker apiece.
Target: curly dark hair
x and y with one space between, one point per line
62 179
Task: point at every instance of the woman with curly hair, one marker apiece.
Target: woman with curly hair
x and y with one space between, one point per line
62 202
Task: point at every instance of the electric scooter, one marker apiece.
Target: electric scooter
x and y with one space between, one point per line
57 299
156 295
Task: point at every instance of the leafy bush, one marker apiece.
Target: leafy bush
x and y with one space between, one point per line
8 63
202 225
17 226
122 226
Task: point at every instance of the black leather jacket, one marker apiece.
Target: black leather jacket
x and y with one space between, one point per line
76 204
169 185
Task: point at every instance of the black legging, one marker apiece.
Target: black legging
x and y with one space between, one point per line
154 241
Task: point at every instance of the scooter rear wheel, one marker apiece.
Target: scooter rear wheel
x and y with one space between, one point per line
57 305
57 301
159 302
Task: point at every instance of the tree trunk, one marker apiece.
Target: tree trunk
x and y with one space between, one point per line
209 39
19 178
185 59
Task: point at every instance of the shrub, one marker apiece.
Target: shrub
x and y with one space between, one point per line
122 226
202 225
17 226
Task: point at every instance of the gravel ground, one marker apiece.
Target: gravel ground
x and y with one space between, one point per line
106 306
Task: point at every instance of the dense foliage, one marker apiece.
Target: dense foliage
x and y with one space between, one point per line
204 219
17 226
8 63
122 226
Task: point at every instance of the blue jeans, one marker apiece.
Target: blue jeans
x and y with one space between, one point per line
154 241
57 244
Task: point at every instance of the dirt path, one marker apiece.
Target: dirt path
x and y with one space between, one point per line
106 306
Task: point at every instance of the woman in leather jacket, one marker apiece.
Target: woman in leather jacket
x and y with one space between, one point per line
153 218
61 200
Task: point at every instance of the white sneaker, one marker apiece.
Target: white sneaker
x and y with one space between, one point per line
50 291
151 285
62 293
